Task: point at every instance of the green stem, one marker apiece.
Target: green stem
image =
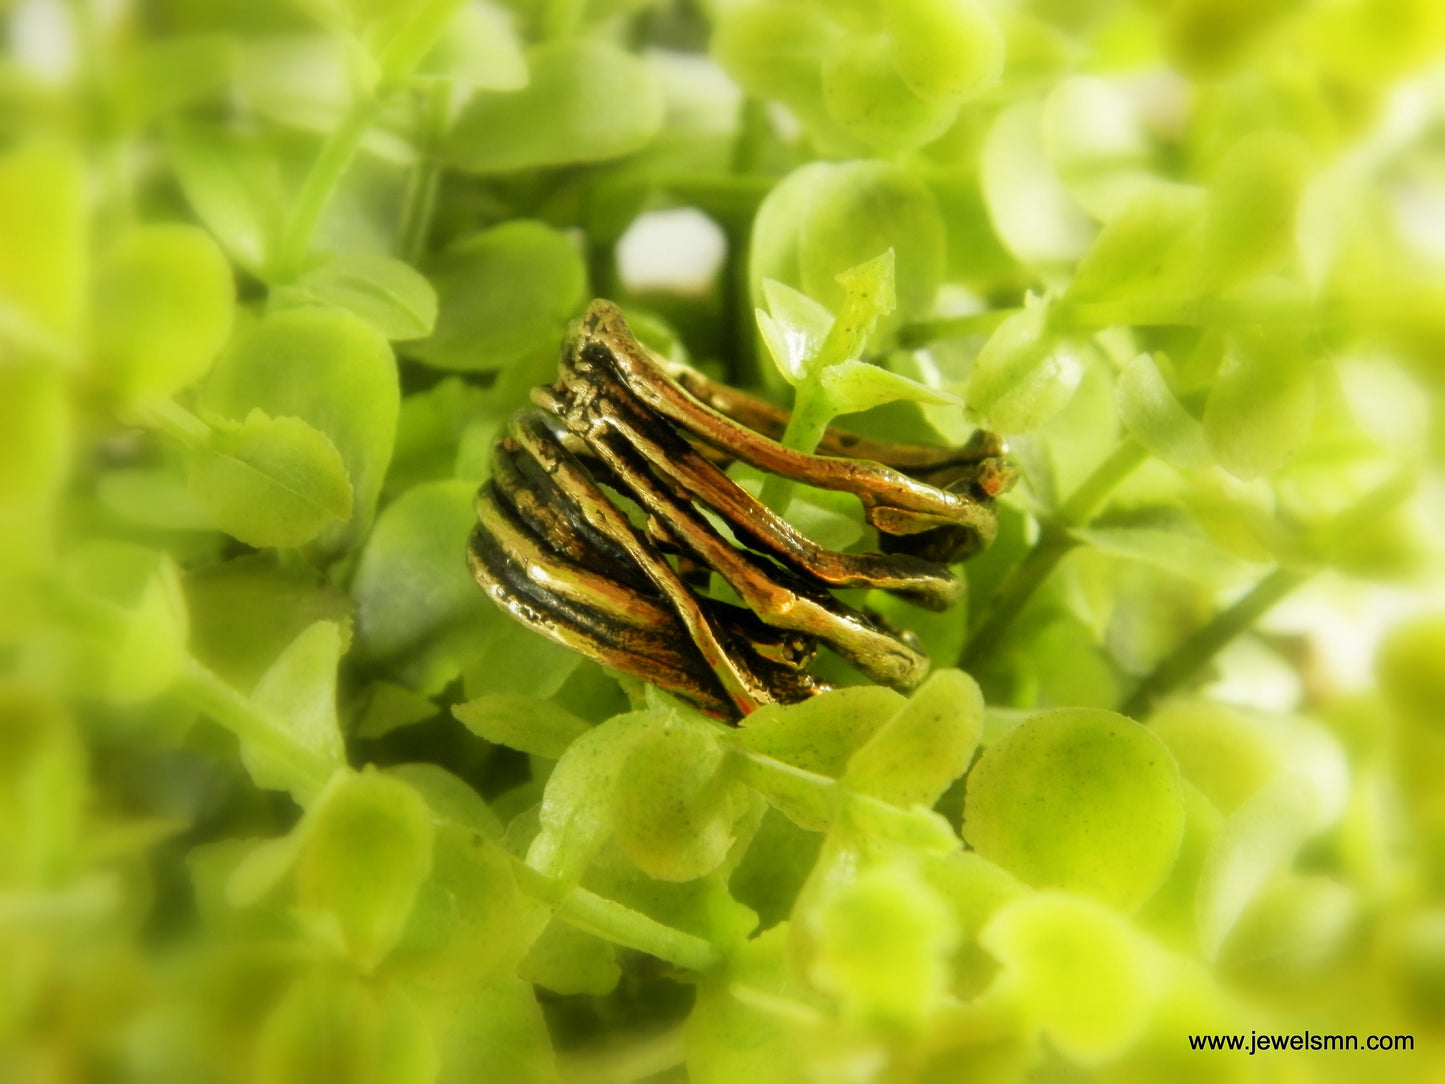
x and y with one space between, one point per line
806 426
336 156
419 207
991 625
108 625
174 421
203 690
613 921
1192 655
820 798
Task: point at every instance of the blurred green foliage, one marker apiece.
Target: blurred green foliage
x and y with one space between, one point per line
283 797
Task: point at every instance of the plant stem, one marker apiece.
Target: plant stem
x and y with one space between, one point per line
203 690
613 921
1194 653
1190 657
994 620
806 426
421 191
330 166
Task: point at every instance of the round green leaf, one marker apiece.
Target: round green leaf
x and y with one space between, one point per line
948 49
412 583
1024 374
928 744
1079 799
1079 969
587 101
503 295
163 307
366 851
864 94
388 294
1032 212
1260 408
677 803
42 238
883 943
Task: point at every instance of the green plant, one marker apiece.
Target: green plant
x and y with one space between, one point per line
284 797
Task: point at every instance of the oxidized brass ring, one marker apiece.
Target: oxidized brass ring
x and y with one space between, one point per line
556 548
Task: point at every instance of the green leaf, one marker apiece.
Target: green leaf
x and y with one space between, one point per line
246 612
774 50
1407 668
1024 374
503 295
450 798
153 650
1079 799
1250 216
944 49
864 94
332 1028
736 1030
366 851
331 370
883 943
570 961
35 454
822 733
299 692
388 294
827 218
852 386
579 805
490 1031
1183 553
271 481
43 239
1260 407
470 923
1261 836
793 328
1079 970
1031 210
412 585
233 184
532 725
429 430
162 76
587 101
1155 418
478 49
1095 142
677 803
164 300
1224 754
1150 249
390 707
928 744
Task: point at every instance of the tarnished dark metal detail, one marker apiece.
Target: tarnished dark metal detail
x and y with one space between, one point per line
555 548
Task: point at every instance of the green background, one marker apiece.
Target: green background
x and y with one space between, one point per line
283 797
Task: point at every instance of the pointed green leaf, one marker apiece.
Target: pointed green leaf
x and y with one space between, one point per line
534 726
587 101
271 481
389 295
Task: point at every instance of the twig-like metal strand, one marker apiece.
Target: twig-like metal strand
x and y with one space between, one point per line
555 548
